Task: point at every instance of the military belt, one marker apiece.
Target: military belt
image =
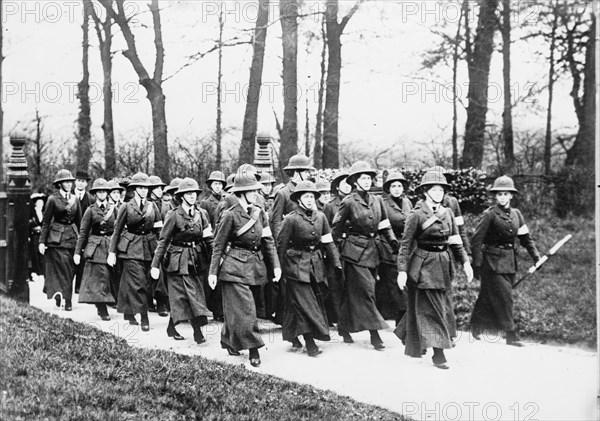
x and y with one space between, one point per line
433 248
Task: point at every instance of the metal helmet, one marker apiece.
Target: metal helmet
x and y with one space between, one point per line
100 184
245 182
358 168
394 176
155 181
140 180
229 185
188 185
323 186
173 185
268 178
216 176
302 187
114 185
504 183
247 169
63 175
335 182
298 162
432 178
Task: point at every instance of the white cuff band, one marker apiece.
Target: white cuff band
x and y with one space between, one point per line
158 224
207 232
266 232
384 224
523 230
454 239
459 220
327 238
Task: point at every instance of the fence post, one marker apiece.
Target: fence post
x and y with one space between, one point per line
17 221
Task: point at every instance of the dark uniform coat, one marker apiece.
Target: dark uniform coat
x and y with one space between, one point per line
210 204
391 301
242 266
425 256
303 234
495 258
59 233
360 218
282 205
35 229
93 242
134 241
179 249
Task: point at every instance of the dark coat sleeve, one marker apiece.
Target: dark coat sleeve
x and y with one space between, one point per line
224 231
268 242
165 239
527 241
408 239
477 240
331 250
339 220
47 218
387 232
84 230
276 215
119 225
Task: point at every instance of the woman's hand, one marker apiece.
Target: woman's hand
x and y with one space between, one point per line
468 271
77 259
212 281
111 260
402 277
42 248
276 274
154 273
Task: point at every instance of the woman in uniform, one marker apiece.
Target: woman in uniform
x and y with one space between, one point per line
304 232
425 266
246 228
135 242
38 201
184 229
361 218
339 190
97 226
58 238
391 301
495 260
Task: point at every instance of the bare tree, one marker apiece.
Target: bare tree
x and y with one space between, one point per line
1 95
479 68
334 46
288 146
318 147
152 84
507 125
551 80
251 113
219 128
84 121
104 34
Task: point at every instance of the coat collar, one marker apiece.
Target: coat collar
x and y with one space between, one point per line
243 213
360 200
304 215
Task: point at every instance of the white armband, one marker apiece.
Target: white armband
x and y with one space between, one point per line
384 224
523 230
459 220
207 232
266 232
327 238
158 224
454 239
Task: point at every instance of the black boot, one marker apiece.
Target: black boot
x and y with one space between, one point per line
145 322
230 350
513 339
346 335
172 332
196 325
161 307
311 347
57 301
254 357
102 311
376 340
131 319
296 344
68 305
439 359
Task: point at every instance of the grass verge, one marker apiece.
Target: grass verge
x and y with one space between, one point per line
53 368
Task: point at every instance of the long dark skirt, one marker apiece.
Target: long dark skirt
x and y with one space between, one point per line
304 311
134 286
240 330
333 299
425 324
158 287
391 300
186 296
493 311
358 310
37 259
215 299
95 284
60 271
115 280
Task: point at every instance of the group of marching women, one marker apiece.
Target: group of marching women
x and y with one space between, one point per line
305 255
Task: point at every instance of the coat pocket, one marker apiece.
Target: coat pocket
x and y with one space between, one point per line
354 247
124 241
90 248
501 260
55 234
174 261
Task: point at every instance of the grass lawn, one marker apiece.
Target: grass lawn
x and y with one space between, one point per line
558 302
53 368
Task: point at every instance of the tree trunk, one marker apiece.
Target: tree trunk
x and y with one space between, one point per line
332 93
84 121
1 96
479 69
38 146
246 154
104 34
288 145
318 148
219 128
307 147
507 126
455 58
548 140
582 154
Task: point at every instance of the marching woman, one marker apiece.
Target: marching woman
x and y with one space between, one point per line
246 228
391 301
38 201
495 260
115 197
58 238
97 226
425 266
184 230
135 242
361 217
304 232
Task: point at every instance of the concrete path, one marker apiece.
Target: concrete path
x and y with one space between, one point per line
488 380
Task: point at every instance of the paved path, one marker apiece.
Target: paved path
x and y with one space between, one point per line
487 379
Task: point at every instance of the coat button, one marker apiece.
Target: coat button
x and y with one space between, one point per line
371 216
313 233
252 231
